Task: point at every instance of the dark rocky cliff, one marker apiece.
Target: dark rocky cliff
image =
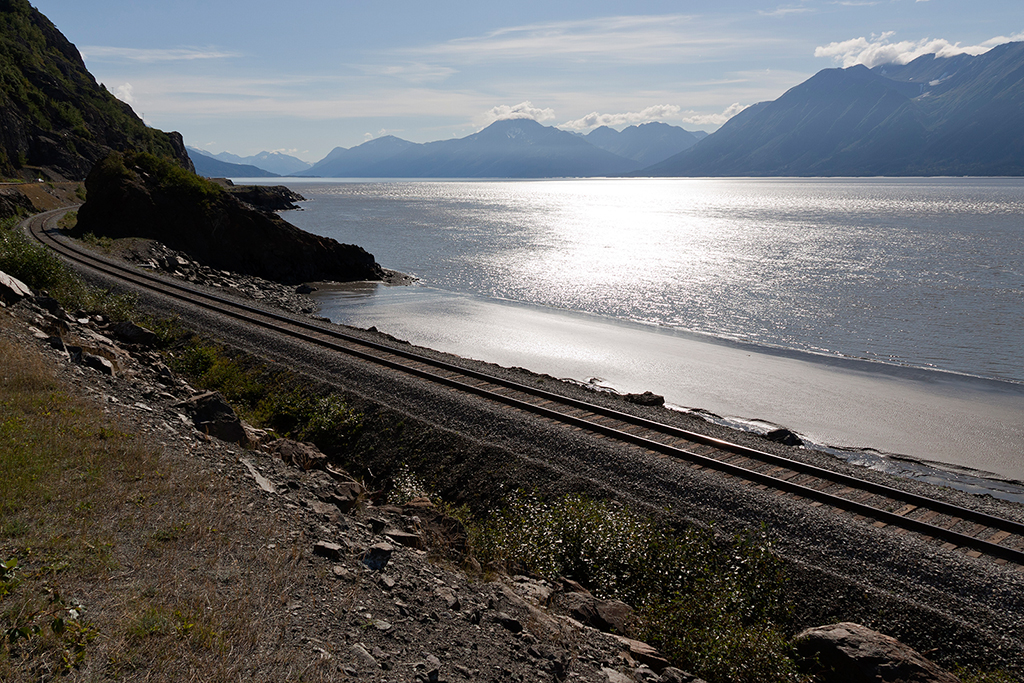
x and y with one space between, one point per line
55 119
141 195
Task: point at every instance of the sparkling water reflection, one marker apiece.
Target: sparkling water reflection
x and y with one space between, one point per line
796 279
924 272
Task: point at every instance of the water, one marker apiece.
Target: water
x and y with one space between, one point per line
922 277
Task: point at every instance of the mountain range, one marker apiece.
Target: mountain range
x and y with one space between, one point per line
961 115
207 165
511 148
272 163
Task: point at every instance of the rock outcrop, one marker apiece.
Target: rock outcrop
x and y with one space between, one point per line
13 203
55 119
140 195
266 197
12 290
852 653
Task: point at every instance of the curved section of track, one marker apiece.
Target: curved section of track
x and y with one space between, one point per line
951 526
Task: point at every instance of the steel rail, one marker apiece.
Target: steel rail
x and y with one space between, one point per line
41 227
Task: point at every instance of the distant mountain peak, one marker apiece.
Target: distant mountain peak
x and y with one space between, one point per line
959 115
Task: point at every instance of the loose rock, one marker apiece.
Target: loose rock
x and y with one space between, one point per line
852 653
378 555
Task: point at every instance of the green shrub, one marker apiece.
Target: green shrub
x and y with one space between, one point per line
179 182
330 423
713 607
38 268
260 396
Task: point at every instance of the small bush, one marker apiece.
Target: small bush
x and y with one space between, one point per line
713 607
330 423
69 220
34 265
260 396
175 180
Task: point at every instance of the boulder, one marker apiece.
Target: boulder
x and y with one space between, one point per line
212 415
98 363
12 290
644 653
646 399
852 653
300 454
405 538
784 436
134 334
53 307
331 551
346 495
509 622
610 616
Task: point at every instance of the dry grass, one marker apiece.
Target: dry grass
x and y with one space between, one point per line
133 563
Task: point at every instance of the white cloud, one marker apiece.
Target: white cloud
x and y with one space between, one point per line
1002 40
632 39
784 11
130 54
878 50
124 93
595 119
413 73
716 119
523 110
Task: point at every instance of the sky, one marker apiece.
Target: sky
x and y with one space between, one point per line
307 76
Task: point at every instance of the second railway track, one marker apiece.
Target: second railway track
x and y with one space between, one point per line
951 526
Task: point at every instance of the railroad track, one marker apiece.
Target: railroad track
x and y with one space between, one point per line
953 527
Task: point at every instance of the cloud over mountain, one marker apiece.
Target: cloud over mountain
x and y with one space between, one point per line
716 119
879 50
595 119
523 110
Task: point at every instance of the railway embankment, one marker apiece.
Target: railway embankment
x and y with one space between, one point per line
426 612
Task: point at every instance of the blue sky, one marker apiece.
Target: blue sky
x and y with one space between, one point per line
306 76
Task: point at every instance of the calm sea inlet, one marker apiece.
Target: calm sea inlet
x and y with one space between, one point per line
882 319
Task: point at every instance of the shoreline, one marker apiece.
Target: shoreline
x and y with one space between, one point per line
914 468
765 386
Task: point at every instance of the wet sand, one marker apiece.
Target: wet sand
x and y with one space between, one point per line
960 423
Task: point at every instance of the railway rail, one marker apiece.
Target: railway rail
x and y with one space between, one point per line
953 527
